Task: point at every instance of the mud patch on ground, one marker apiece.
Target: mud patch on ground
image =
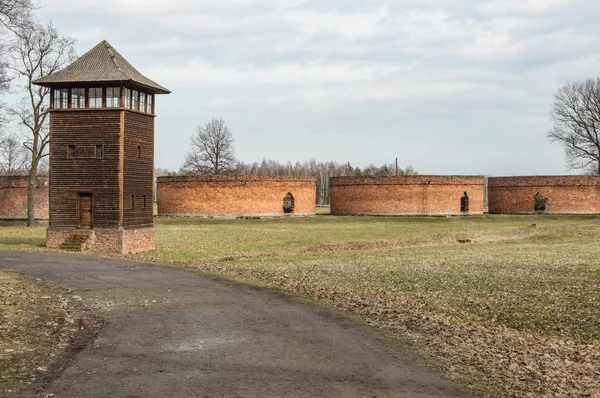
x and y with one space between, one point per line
349 246
41 328
245 256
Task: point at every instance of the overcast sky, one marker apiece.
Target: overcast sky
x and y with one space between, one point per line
447 86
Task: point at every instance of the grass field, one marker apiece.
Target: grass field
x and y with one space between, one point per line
15 236
542 278
506 304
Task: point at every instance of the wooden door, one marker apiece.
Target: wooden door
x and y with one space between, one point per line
85 212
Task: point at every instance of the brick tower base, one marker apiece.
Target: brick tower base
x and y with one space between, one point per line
105 240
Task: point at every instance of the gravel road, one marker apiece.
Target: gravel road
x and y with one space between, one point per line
175 333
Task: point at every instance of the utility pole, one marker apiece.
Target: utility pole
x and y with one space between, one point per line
396 167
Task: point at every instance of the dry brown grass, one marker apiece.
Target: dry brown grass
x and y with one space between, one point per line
36 324
513 312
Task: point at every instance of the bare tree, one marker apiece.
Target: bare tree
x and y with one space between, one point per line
13 156
211 149
13 14
38 51
576 117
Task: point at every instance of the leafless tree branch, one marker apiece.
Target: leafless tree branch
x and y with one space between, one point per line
211 150
575 113
37 51
13 156
14 12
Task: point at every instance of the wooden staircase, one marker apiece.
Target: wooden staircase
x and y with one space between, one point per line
76 241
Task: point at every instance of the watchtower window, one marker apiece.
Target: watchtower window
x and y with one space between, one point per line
539 202
95 97
142 102
113 97
99 151
133 201
127 95
145 201
464 203
61 98
77 98
149 104
135 100
139 152
288 203
72 151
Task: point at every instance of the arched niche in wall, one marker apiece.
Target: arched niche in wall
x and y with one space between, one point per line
464 203
539 202
288 203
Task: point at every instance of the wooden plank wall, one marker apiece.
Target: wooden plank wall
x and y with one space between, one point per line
85 129
138 173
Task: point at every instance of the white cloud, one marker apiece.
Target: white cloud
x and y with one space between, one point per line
198 73
346 25
501 7
326 99
157 8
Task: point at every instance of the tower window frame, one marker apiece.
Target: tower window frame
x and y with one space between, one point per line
142 102
135 100
77 98
150 104
113 97
127 96
61 98
95 97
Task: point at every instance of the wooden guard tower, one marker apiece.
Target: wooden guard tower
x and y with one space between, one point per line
101 154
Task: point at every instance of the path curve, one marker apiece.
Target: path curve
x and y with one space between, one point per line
175 333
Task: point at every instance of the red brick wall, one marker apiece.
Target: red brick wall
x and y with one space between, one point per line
410 195
107 240
234 195
13 197
56 237
564 194
136 240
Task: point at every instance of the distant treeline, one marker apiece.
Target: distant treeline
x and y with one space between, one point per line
321 170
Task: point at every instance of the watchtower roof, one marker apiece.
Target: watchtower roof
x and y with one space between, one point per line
101 64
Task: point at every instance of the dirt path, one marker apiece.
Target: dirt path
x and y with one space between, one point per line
175 333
